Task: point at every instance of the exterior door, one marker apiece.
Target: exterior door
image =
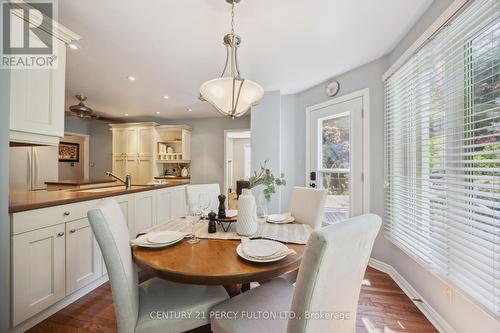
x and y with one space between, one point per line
336 156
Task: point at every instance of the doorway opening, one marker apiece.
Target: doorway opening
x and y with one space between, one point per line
237 160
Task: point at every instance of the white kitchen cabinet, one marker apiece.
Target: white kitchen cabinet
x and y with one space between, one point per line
145 211
179 202
145 166
38 271
119 166
37 101
164 205
126 203
83 257
119 143
131 141
146 141
131 168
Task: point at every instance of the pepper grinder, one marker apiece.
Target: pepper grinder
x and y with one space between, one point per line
222 206
211 223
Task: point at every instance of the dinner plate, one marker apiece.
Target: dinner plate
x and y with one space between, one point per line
240 252
164 237
276 217
289 219
261 248
143 242
231 212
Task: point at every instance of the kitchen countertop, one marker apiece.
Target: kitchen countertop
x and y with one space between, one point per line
20 201
81 181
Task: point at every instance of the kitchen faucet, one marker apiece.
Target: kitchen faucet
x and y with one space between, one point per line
127 181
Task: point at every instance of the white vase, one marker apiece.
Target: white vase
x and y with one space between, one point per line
247 224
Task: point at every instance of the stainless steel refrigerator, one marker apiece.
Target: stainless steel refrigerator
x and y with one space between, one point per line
31 167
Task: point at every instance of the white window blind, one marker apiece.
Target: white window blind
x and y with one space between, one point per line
442 153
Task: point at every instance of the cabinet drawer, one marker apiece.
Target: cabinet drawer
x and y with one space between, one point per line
45 217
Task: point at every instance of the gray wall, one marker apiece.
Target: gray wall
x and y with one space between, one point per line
4 200
266 140
207 146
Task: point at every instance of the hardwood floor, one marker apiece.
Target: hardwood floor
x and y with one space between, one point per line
382 308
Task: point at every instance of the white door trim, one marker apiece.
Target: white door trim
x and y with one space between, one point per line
226 132
86 152
365 95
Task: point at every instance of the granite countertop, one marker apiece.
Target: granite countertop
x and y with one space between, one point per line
77 182
20 201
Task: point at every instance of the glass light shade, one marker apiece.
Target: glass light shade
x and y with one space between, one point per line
219 93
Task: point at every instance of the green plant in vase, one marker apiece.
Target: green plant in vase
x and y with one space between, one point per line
268 180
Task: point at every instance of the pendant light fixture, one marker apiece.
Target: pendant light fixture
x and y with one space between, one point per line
231 94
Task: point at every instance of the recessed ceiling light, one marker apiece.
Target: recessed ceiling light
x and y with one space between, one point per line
190 110
157 112
165 96
126 114
73 46
131 78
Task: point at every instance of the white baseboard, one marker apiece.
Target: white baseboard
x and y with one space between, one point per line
41 316
432 315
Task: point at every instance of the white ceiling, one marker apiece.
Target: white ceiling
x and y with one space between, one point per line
172 47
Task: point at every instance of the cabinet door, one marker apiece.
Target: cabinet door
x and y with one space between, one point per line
38 274
186 145
144 170
179 205
37 98
163 205
131 168
119 167
126 203
146 141
131 141
83 257
119 141
145 211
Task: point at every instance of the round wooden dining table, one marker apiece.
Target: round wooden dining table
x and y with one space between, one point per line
211 262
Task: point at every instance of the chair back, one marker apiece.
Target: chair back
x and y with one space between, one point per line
110 230
193 194
307 205
331 273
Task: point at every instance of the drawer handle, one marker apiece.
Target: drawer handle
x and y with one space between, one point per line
60 234
66 213
72 231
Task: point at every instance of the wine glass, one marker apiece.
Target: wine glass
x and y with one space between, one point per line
204 200
193 219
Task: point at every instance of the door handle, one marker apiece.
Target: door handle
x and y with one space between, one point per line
72 231
60 234
313 185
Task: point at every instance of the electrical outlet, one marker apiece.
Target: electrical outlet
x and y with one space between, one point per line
448 292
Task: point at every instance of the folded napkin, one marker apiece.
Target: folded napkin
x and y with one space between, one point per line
281 251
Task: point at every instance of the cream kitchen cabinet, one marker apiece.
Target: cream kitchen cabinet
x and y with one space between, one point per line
119 166
83 256
119 142
145 211
146 141
126 203
38 271
145 166
164 205
179 202
131 143
37 95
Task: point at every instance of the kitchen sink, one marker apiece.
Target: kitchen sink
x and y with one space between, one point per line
101 189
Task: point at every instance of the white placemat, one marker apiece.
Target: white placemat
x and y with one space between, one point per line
288 233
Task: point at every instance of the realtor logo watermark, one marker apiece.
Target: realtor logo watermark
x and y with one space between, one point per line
27 35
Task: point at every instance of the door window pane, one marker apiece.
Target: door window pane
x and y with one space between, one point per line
335 143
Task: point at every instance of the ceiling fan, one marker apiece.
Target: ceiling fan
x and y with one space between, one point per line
82 111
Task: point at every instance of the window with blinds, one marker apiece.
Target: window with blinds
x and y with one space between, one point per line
442 153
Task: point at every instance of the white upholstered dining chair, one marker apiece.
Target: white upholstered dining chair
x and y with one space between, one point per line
307 205
193 194
142 307
329 283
